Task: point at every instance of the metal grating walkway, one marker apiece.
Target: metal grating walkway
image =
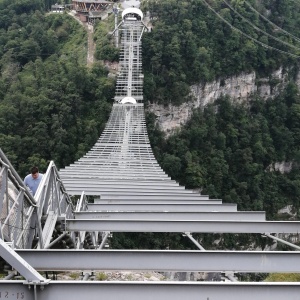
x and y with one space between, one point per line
121 164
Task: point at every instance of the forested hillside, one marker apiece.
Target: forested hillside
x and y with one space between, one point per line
52 107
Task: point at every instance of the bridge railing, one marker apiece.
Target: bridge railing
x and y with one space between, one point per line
24 217
53 202
17 207
82 203
51 194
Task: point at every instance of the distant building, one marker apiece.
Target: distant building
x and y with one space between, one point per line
90 5
90 10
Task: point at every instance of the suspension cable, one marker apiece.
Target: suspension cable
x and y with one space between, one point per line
259 29
270 22
248 36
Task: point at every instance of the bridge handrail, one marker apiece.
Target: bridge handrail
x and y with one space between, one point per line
82 203
17 206
15 178
51 193
21 213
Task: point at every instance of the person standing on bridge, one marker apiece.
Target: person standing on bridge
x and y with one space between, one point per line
33 180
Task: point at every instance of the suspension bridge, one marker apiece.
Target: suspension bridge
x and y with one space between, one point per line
131 193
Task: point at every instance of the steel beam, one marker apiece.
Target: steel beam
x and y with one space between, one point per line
124 186
111 290
118 177
103 177
173 216
162 201
144 197
105 193
122 171
183 226
113 183
164 261
163 207
159 198
141 190
97 159
86 167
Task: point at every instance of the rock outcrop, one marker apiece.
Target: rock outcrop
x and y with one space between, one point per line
239 88
282 167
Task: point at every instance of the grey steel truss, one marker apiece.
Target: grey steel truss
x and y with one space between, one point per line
131 193
25 218
17 207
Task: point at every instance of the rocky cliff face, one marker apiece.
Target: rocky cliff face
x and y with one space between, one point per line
238 88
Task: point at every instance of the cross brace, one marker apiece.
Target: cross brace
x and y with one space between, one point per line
17 262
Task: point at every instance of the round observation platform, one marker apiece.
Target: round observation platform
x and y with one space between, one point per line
128 100
132 13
